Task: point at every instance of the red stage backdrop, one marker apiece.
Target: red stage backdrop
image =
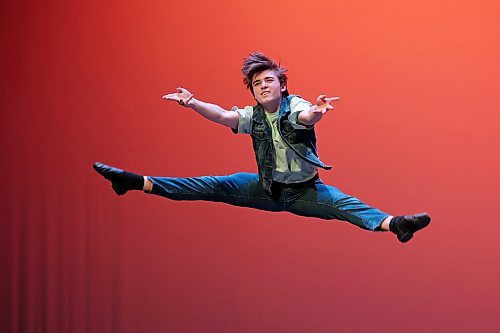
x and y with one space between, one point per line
416 130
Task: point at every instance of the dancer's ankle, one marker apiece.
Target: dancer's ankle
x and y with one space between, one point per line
148 185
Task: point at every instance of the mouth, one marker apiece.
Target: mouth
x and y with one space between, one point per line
264 93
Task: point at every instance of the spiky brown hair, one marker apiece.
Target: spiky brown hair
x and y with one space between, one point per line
258 62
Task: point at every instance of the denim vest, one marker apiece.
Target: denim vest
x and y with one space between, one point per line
301 141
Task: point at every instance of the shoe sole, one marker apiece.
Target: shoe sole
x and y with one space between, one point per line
119 190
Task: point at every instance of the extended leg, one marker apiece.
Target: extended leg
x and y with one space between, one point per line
241 189
328 202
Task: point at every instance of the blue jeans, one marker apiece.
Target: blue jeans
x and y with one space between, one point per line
314 199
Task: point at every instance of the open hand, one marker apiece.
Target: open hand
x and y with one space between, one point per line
182 96
323 104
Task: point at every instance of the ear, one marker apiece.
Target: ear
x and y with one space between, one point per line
283 88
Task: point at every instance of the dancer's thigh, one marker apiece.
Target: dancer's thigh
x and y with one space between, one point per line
328 202
240 189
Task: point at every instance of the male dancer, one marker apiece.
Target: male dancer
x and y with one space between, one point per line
284 142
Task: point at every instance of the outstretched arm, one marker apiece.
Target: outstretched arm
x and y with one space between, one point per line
210 111
316 112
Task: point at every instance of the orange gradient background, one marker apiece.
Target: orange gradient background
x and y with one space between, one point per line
416 129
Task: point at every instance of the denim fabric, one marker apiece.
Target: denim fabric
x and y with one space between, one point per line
244 189
301 141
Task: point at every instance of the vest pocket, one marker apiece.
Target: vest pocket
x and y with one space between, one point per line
261 136
259 131
286 127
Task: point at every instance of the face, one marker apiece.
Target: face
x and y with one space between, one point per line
266 87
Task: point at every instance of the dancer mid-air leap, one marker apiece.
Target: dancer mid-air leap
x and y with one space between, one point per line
284 142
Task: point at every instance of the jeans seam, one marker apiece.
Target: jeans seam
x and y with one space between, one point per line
209 194
337 208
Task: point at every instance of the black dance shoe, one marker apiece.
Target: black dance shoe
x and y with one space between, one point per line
121 180
405 226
